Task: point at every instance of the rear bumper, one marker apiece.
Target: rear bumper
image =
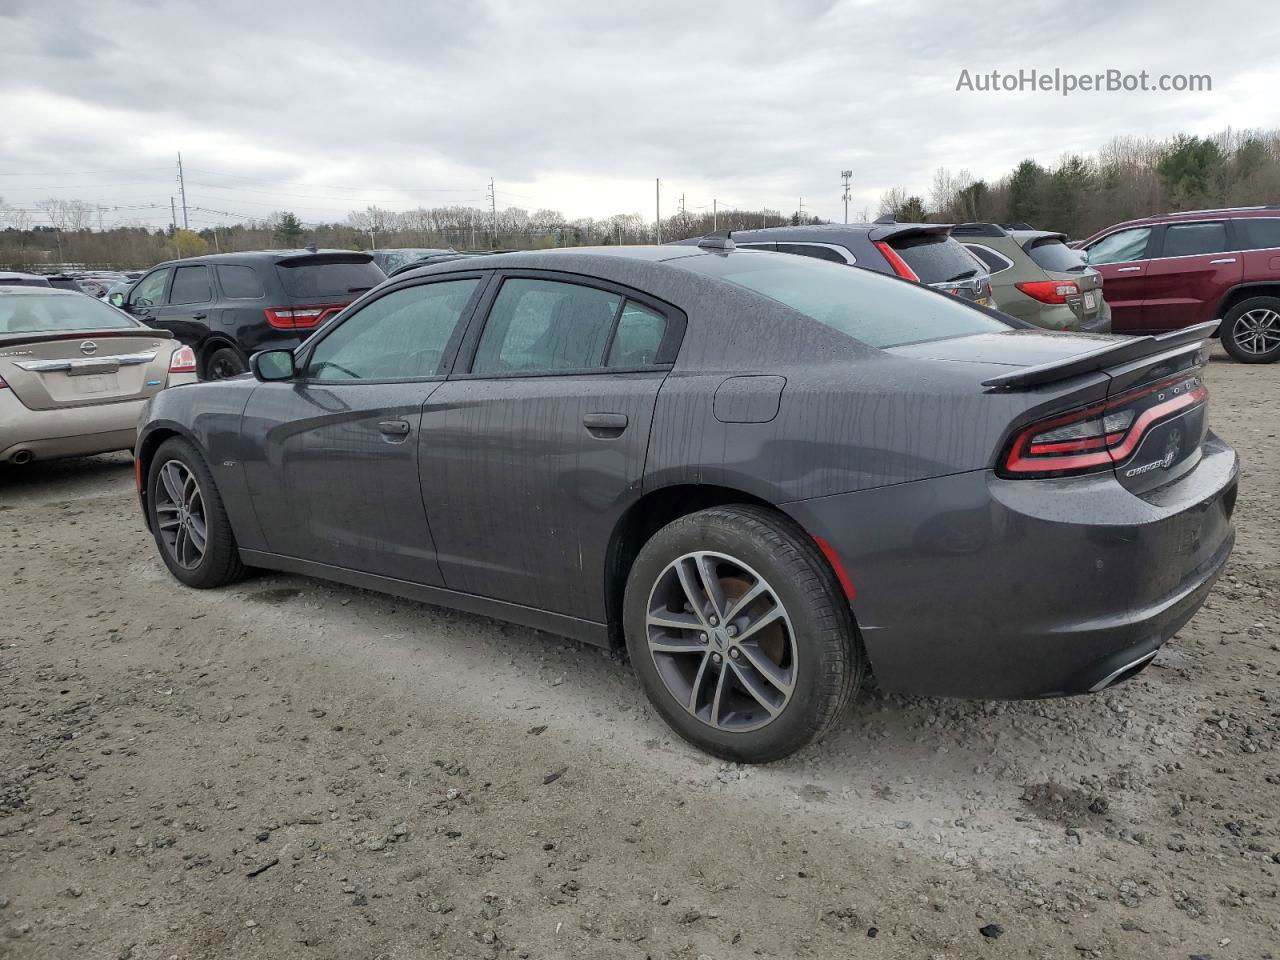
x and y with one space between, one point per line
68 432
974 586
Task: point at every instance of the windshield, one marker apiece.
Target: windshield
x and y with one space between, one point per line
52 313
877 310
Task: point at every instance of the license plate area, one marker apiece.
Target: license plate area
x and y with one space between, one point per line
1090 301
95 369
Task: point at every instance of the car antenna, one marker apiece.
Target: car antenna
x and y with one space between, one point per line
887 218
721 240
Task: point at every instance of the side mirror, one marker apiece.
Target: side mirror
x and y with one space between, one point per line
1084 255
117 300
271 365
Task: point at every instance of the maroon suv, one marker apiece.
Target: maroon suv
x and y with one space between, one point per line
1177 269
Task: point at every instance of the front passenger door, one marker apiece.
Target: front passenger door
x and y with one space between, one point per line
148 295
336 477
1121 258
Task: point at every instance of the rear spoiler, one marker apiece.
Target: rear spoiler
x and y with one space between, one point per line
896 231
17 340
332 256
1113 354
1043 238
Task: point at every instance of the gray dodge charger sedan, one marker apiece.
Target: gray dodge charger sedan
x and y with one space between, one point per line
762 474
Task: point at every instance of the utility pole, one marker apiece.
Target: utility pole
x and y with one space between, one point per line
182 189
493 215
173 215
715 218
657 210
801 210
473 228
846 176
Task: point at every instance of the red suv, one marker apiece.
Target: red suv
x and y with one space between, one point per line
1177 269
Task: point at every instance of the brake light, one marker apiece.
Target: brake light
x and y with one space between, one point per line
301 318
183 360
1100 436
1050 291
899 265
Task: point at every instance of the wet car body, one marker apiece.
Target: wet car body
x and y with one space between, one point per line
965 579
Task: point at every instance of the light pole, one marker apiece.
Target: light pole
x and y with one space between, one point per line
846 176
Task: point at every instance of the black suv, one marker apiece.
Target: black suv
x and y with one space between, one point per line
229 306
922 252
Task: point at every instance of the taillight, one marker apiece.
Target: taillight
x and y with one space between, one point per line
899 265
183 360
1098 437
300 318
1050 291
3 385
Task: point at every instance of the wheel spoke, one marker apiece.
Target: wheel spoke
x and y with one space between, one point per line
196 531
172 484
698 680
676 645
743 602
692 592
710 584
673 621
771 616
722 681
765 666
751 683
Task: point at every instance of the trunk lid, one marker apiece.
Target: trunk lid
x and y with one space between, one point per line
49 371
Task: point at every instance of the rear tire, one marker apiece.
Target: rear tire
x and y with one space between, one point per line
188 520
224 363
711 692
1251 330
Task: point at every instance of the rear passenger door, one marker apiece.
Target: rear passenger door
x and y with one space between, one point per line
1195 267
529 457
1121 258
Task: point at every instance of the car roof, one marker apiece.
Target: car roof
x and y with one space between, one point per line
38 291
1219 213
569 258
259 256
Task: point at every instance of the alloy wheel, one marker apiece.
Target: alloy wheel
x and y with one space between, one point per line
721 641
180 514
1257 332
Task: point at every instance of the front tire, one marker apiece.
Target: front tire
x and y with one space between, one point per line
225 363
1251 330
188 520
740 634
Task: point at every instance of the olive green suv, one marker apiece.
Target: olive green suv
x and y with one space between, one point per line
1036 277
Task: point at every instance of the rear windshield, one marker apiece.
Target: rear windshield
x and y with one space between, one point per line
934 258
1057 256
310 278
39 313
867 306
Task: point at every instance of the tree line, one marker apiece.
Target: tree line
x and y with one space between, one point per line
1128 177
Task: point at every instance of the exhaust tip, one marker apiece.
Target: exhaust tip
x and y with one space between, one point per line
21 456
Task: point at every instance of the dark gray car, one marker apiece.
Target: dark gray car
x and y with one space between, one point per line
762 474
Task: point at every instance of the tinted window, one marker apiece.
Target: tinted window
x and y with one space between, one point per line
812 250
544 325
324 278
1190 239
990 259
1057 256
400 336
935 259
150 289
1120 247
240 283
47 312
858 303
1260 233
191 285
640 331
12 280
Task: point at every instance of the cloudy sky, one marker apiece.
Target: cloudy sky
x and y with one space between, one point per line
578 106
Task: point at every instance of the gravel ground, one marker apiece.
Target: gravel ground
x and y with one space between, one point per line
288 768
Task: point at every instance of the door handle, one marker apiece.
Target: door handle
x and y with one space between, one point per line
1224 260
394 428
198 316
605 424
1128 269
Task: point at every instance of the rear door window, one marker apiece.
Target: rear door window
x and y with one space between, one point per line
815 250
1056 256
240 283
994 262
1194 239
536 326
639 334
191 285
1124 246
308 279
935 259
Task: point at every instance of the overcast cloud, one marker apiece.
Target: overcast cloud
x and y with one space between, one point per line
578 106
